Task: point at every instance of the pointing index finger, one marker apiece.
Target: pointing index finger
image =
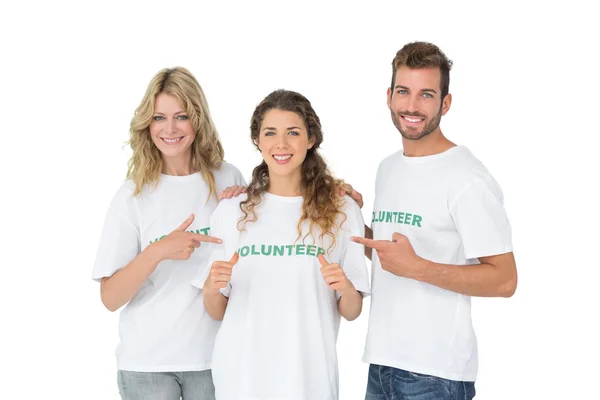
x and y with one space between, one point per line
205 238
374 244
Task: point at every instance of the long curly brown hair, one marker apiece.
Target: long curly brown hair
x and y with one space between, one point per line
322 204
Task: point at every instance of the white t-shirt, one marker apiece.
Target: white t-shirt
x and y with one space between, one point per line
165 326
451 210
278 336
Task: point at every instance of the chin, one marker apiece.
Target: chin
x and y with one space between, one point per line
412 135
283 170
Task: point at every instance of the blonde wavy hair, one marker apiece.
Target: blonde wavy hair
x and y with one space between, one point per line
146 162
322 204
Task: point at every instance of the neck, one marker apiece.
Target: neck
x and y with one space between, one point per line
285 185
434 143
178 166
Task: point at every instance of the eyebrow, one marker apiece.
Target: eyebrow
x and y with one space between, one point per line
270 128
178 112
422 90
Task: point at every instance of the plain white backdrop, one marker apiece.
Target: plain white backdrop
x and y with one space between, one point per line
525 101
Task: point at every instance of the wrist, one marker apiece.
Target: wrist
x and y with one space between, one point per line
154 252
349 290
420 270
209 291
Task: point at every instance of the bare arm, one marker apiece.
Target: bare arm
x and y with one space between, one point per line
215 303
118 289
218 277
350 304
350 301
368 235
496 276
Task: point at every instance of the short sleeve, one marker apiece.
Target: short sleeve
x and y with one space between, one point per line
352 259
238 178
228 175
219 221
480 218
119 244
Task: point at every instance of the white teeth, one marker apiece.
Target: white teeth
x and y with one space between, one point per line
412 119
282 158
171 140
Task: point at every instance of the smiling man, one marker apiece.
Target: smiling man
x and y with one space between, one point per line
440 236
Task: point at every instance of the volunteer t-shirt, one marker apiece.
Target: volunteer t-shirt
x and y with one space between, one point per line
278 335
451 210
165 326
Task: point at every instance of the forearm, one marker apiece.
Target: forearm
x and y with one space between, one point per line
119 289
214 303
483 280
368 235
350 304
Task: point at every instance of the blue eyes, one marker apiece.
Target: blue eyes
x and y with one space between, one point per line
293 133
404 91
179 117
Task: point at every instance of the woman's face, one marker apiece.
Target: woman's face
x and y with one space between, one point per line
283 142
171 129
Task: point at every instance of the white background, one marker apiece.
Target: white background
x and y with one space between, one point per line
526 102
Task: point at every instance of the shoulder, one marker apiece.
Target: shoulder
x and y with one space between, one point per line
228 175
123 203
226 169
390 160
124 195
230 207
466 171
352 214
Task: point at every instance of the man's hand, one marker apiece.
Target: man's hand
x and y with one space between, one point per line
354 195
396 256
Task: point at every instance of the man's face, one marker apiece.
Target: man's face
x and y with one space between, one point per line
415 101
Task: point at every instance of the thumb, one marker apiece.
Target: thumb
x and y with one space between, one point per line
396 237
322 260
234 258
186 224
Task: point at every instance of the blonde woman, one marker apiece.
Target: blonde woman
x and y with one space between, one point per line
151 244
287 270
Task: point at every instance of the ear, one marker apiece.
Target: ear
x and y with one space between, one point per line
256 144
389 98
311 143
446 102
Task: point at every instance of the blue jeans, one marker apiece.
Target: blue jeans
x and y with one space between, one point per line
188 385
387 383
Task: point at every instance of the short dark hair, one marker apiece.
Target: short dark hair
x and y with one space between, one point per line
423 55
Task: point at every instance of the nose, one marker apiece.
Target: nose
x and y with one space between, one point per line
412 104
282 140
170 126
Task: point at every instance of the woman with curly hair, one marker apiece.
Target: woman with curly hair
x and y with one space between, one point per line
155 222
286 270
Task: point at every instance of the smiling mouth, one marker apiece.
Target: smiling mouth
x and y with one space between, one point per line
412 120
282 159
171 141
